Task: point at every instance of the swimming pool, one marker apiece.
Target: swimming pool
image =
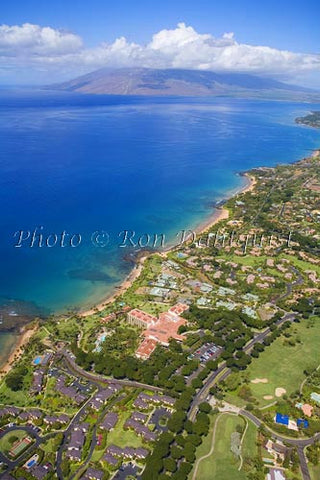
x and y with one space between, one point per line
37 360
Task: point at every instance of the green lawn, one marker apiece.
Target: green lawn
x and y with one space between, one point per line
301 264
9 439
249 446
119 436
222 463
247 260
314 471
20 398
283 365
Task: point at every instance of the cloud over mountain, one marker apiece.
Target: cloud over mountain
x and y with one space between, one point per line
62 53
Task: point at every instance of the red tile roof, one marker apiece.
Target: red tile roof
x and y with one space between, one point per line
165 328
146 348
140 315
159 330
179 308
109 317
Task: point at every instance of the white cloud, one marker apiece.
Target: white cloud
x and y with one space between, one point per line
29 39
44 48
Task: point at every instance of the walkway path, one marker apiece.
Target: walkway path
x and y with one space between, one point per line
194 476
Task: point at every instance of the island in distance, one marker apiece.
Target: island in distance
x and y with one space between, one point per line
178 82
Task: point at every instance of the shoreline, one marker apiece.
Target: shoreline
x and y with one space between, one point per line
220 213
17 349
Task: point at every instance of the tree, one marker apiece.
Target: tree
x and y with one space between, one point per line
205 407
175 423
189 452
170 464
176 452
196 383
15 379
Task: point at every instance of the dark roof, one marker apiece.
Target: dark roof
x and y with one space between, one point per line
110 459
139 403
139 417
93 473
7 476
115 450
140 429
37 380
103 395
95 404
35 413
77 439
63 418
24 415
74 454
156 398
40 471
129 452
142 452
109 421
84 426
9 411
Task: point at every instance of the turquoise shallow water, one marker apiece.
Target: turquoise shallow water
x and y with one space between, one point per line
82 164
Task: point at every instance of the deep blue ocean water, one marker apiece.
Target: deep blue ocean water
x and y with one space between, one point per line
82 163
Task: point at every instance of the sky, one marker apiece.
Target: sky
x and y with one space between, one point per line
42 41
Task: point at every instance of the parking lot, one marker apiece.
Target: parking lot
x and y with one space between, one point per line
209 351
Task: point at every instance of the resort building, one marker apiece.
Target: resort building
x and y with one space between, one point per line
146 347
140 318
157 330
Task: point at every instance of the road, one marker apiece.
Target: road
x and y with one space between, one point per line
94 437
296 442
303 464
76 419
24 456
92 377
101 379
223 372
299 443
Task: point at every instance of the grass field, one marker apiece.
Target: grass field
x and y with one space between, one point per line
249 446
9 439
301 264
222 464
283 365
119 436
20 398
314 471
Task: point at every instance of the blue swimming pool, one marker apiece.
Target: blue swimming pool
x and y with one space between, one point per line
37 360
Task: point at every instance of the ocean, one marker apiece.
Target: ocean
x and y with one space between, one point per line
87 168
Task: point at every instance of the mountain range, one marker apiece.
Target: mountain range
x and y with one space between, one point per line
178 82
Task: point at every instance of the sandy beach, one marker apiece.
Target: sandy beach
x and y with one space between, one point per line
127 282
219 214
222 213
18 349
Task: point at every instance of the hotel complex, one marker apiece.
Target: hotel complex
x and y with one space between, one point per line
157 330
